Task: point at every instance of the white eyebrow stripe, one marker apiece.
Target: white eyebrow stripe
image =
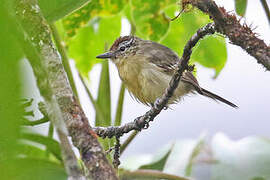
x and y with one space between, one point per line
126 43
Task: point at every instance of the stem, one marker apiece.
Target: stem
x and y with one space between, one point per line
50 135
128 141
150 174
93 101
64 57
142 122
118 116
69 158
266 9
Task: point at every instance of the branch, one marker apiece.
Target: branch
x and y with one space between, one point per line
150 174
69 158
93 101
230 26
63 108
142 122
50 135
64 57
128 141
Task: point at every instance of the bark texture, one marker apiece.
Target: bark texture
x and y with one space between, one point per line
62 106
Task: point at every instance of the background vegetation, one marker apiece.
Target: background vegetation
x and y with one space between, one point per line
81 30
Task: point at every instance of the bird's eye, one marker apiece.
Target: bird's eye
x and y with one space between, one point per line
122 48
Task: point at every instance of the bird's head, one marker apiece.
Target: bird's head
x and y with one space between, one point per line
122 48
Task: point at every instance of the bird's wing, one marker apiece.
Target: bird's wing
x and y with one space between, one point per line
165 59
161 56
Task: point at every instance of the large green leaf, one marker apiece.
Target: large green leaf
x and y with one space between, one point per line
95 8
150 19
210 52
51 144
240 7
11 111
246 159
104 101
104 96
31 151
57 9
33 169
90 42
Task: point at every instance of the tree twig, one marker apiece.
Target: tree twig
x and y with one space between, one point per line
229 25
150 174
128 141
64 57
142 122
69 158
62 106
93 101
50 135
116 155
266 9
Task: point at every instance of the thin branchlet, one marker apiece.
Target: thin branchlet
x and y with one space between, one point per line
239 34
142 122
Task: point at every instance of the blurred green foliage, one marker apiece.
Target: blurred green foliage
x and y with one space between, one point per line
211 51
10 91
55 10
90 41
88 31
226 159
20 160
240 6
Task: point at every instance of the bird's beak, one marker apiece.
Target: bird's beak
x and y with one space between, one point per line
106 55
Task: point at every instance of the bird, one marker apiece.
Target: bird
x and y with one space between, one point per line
146 68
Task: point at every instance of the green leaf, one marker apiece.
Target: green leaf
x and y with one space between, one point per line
89 42
95 8
57 9
104 96
158 161
31 151
210 52
150 19
240 7
119 109
51 144
104 101
11 111
33 169
248 158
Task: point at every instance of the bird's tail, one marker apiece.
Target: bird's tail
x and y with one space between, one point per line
206 93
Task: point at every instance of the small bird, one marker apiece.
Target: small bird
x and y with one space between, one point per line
146 68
